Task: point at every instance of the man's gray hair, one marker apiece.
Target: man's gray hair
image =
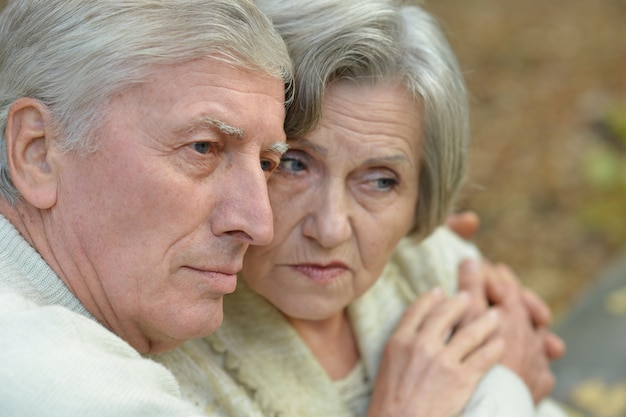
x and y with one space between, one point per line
372 41
75 55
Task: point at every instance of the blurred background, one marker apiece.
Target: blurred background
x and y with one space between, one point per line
547 80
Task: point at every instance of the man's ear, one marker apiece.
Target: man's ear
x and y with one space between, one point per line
29 140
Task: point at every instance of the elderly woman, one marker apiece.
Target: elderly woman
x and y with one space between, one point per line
317 326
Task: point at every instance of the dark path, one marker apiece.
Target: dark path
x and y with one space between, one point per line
591 378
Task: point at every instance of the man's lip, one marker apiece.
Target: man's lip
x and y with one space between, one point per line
232 270
218 281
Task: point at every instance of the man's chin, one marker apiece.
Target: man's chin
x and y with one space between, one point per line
209 322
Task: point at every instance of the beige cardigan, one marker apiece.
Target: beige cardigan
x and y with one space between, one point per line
256 365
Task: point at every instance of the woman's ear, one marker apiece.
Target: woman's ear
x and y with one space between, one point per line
29 140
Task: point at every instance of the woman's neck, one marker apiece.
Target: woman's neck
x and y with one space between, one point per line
332 342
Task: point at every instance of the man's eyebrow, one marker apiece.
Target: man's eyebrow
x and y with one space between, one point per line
278 147
222 126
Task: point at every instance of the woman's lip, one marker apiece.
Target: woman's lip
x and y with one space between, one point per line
321 273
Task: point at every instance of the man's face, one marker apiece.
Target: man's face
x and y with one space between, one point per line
157 220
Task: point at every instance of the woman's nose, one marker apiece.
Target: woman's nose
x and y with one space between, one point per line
328 221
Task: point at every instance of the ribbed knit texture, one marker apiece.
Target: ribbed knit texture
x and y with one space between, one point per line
42 285
56 360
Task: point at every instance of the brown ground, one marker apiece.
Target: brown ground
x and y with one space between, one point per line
548 187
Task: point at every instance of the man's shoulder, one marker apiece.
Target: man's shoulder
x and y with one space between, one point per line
81 366
17 291
23 321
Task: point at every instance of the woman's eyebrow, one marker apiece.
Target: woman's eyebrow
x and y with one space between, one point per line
391 158
306 143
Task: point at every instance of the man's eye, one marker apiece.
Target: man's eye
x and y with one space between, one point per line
267 165
201 147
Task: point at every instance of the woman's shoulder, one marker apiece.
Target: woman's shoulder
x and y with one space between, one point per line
433 261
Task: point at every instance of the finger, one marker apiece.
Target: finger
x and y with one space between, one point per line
464 341
472 282
441 320
537 308
505 273
547 386
486 356
418 310
544 384
507 282
554 346
494 288
464 224
471 277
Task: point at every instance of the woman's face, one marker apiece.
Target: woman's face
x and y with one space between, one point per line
343 197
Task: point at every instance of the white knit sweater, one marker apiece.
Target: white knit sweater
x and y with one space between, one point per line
256 365
56 360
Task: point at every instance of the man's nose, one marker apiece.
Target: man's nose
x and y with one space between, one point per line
245 211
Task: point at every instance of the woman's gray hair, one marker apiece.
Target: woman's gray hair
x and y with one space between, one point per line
330 40
372 41
75 55
433 75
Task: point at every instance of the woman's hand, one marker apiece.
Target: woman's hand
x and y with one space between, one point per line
525 319
465 224
530 345
430 369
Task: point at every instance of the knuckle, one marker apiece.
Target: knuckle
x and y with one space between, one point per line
397 342
424 349
550 383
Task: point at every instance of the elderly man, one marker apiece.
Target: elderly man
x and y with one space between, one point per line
137 138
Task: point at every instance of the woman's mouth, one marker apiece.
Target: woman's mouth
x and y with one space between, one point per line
321 273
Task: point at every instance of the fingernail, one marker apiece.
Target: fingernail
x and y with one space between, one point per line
464 295
493 314
437 292
471 266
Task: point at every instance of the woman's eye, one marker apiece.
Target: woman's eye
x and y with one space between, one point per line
201 147
385 183
291 164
